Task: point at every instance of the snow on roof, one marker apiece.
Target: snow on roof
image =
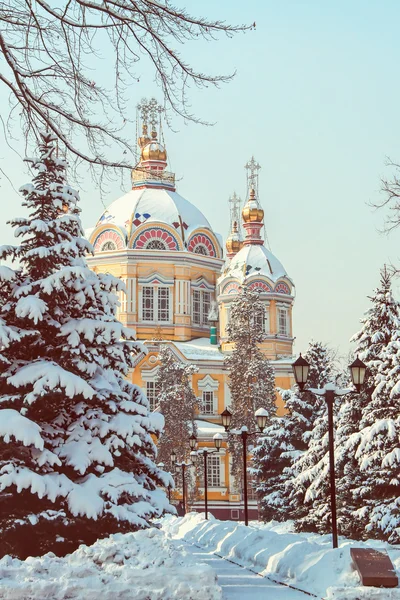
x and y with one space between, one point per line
199 349
252 260
206 429
154 205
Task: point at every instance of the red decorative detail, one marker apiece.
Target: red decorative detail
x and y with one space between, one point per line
231 288
260 286
136 222
204 241
109 235
282 288
155 233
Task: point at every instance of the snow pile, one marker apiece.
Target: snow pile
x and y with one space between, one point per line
304 560
140 566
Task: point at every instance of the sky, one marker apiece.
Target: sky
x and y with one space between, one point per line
315 99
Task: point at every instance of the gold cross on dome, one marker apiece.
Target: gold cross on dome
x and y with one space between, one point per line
252 167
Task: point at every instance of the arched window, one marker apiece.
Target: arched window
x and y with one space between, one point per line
108 246
200 249
155 245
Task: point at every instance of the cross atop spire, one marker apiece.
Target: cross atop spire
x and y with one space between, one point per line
235 203
150 113
252 167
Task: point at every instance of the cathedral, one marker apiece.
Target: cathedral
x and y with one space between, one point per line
180 285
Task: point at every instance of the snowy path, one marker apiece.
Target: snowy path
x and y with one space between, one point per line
239 584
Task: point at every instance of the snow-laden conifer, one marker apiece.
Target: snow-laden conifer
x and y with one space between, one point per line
308 477
76 451
369 426
178 403
286 439
251 375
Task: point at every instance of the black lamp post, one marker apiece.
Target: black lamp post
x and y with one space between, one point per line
205 453
181 467
357 369
262 417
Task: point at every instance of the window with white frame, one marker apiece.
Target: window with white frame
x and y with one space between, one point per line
201 307
155 303
163 304
152 392
207 404
261 321
148 303
213 471
283 328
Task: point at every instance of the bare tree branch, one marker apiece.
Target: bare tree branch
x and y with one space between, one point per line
47 57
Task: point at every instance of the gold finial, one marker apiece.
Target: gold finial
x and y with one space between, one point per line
252 211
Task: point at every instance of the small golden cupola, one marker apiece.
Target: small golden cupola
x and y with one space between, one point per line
252 211
153 150
233 242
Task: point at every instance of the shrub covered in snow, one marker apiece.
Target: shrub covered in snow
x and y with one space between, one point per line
76 450
137 566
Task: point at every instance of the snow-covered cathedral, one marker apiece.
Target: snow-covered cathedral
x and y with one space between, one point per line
174 268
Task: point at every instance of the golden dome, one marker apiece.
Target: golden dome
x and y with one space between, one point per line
153 150
252 212
233 242
144 138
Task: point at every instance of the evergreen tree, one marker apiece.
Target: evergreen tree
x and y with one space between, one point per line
76 452
369 426
251 376
178 405
286 439
308 478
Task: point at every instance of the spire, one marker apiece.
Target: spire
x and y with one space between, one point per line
234 241
252 212
150 171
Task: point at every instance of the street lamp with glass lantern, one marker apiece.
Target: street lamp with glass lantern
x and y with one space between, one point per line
181 467
205 452
357 369
262 417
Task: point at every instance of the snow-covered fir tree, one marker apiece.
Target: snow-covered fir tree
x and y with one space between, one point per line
178 405
76 450
287 438
251 375
369 426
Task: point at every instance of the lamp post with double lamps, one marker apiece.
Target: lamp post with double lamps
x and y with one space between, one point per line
357 369
262 416
205 452
181 467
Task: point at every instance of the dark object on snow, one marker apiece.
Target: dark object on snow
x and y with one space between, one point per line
374 567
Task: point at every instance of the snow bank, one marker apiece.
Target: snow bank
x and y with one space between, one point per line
304 560
137 566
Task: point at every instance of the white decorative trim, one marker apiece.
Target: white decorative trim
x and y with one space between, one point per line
208 383
149 374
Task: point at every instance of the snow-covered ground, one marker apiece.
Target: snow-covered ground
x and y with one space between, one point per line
306 561
145 565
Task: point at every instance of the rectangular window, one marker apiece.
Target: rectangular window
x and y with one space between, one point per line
152 391
213 472
282 321
147 304
163 304
262 321
201 307
196 307
206 307
207 405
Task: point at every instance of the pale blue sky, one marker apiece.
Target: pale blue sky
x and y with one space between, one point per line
316 100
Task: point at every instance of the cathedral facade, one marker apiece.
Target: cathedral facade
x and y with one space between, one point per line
176 277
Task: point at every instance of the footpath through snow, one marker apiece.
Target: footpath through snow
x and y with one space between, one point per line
302 560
